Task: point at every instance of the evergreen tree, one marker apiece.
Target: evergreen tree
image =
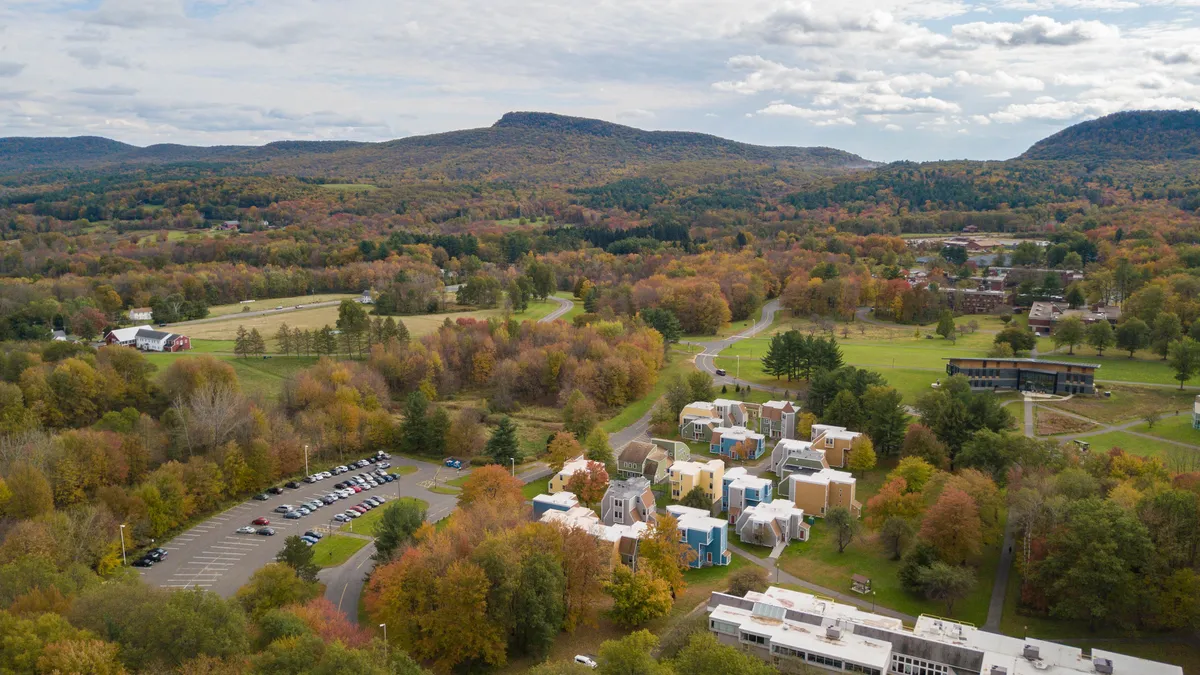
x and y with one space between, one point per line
945 326
283 339
257 345
665 322
401 332
241 344
415 432
299 556
502 446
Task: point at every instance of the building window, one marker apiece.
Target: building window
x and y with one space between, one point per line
788 651
824 660
723 627
855 668
753 639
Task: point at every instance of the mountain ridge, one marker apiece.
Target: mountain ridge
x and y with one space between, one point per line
1140 135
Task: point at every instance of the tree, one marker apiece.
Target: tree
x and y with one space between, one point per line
700 385
502 445
562 449
915 471
704 655
665 322
586 564
947 583
95 657
896 534
490 483
1184 359
945 326
273 586
1018 337
884 419
284 343
893 500
31 495
752 578
598 448
579 414
518 296
1100 336
844 526
862 455
353 323
1167 329
590 484
661 552
538 601
1070 332
637 597
953 527
697 498
299 556
415 433
921 442
954 412
1132 335
255 343
459 629
241 342
1075 296
400 520
843 411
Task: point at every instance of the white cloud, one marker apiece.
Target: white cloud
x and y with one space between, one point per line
999 80
893 127
1034 30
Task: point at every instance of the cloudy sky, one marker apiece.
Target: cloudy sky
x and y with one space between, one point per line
887 79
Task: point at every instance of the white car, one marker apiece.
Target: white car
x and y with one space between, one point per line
341 517
247 530
352 514
585 660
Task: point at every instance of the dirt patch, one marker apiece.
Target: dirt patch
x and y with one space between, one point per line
1050 423
1128 403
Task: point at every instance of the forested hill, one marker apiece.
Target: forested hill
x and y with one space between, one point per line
520 145
1149 135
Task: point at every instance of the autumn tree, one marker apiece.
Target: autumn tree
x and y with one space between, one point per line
704 655
586 566
30 493
661 552
862 455
896 533
562 449
273 586
922 443
637 597
492 482
579 414
947 583
953 527
893 500
598 449
752 578
590 484
844 526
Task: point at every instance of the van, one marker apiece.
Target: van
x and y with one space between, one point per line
585 660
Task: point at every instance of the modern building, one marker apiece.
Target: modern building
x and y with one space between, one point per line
622 538
697 420
818 491
685 476
772 523
737 443
708 536
627 501
1044 315
834 441
126 337
790 456
733 413
141 314
639 458
1033 375
677 451
559 501
975 301
777 420
740 490
798 632
558 482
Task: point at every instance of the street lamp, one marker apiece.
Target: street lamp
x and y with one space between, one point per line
306 459
124 560
385 642
514 465
872 602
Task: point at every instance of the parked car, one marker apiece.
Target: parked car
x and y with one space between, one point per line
359 509
275 490
357 488
315 504
585 661
389 478
292 515
313 533
309 479
142 562
303 510
308 540
351 513
453 463
328 499
261 521
292 484
245 530
384 465
383 455
266 531
341 517
157 554
284 508
262 497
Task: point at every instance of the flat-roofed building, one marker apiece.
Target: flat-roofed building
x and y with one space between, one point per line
1032 375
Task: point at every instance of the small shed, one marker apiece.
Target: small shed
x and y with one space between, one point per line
860 584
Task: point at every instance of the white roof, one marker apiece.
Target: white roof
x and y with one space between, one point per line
735 472
747 481
725 402
809 638
563 498
700 405
792 445
778 404
574 466
587 520
127 334
693 519
740 433
823 477
768 511
694 468
819 430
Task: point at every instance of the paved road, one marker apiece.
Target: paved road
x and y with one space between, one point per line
564 306
211 556
706 359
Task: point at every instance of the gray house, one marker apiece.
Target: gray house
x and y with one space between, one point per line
627 502
639 458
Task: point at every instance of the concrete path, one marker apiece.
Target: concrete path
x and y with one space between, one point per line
1029 426
1000 586
564 306
706 359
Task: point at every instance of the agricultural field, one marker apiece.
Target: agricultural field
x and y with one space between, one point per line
258 376
272 303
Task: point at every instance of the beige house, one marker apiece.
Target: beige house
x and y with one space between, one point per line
558 482
818 491
834 441
708 475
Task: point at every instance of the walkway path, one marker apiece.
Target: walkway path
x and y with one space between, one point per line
564 306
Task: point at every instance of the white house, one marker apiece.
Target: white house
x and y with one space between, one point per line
159 341
126 337
141 314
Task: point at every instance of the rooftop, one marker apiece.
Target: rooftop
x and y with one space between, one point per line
778 404
767 511
631 488
574 466
694 468
693 519
822 477
737 433
558 499
952 359
636 451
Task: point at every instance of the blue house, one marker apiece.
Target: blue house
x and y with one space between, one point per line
708 536
740 490
559 501
737 443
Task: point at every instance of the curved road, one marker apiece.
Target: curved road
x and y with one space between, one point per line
706 359
564 306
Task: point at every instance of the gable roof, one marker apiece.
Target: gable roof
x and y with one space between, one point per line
635 452
153 334
126 334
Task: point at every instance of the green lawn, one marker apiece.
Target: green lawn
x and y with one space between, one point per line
575 311
272 303
1134 445
367 523
256 375
439 490
534 488
680 364
403 469
1177 428
818 561
334 550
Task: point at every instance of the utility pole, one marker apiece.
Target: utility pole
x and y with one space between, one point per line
124 560
514 466
306 460
385 642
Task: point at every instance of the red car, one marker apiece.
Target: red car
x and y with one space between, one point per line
358 508
356 488
261 521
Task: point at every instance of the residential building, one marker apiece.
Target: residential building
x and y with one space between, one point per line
628 501
798 632
697 420
558 482
639 458
733 413
975 301
685 476
834 441
677 451
365 298
818 491
559 501
1044 315
141 314
59 336
1034 375
741 490
737 443
622 538
790 456
777 420
1018 275
772 523
160 341
126 337
708 536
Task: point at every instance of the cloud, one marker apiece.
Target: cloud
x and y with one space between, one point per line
893 127
789 110
111 90
138 13
636 114
999 80
93 57
11 68
803 24
1033 30
1175 57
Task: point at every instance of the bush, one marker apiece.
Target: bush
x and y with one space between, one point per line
747 579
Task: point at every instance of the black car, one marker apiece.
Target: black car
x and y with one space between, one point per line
720 372
143 562
314 534
292 484
266 531
157 554
262 497
275 490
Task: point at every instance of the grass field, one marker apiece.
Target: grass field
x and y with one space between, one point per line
1177 428
334 550
257 376
535 487
367 523
272 303
1134 445
1127 403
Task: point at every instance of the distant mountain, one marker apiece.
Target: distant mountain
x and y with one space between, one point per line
520 145
1149 135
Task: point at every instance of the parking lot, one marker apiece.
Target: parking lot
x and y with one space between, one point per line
212 556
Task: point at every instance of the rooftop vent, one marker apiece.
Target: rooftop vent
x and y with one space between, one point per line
833 633
1103 665
999 670
1032 653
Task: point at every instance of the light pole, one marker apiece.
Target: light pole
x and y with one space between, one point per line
306 459
514 466
124 560
385 644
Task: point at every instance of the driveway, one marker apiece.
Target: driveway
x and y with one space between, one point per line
212 556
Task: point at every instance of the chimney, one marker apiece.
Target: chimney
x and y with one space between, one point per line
1103 665
833 633
1032 653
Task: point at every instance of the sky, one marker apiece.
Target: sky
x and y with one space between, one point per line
886 79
